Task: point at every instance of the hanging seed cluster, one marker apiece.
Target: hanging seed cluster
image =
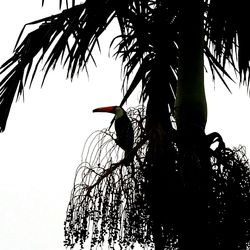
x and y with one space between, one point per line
229 199
107 203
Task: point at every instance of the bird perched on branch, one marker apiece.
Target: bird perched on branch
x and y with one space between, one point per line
123 127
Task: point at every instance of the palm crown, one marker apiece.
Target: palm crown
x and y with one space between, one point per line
148 42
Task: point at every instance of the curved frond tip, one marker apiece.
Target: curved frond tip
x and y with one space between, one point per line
70 36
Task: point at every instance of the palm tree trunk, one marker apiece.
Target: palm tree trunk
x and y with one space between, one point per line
158 157
178 203
191 117
190 105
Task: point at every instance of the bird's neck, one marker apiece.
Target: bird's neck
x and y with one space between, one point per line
119 114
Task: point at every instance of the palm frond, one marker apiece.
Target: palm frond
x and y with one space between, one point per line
226 30
139 76
148 52
215 66
72 34
73 3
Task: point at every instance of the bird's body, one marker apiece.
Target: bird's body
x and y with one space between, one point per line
123 127
124 133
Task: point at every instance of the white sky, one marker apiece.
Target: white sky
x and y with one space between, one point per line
43 141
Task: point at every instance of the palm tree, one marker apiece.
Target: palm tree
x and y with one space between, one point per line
163 43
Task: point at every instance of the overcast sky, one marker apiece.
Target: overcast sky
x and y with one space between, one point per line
41 147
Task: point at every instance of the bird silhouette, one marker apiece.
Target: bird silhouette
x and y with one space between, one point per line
123 127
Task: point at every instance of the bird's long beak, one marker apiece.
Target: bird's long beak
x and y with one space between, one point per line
109 109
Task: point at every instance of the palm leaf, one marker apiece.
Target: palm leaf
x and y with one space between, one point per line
71 36
82 23
227 29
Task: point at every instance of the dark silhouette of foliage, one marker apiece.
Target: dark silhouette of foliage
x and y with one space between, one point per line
117 203
181 191
229 200
70 36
